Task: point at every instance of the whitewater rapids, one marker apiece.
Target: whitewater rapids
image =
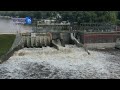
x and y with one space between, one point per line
69 62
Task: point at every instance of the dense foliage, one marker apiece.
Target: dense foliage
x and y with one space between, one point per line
71 16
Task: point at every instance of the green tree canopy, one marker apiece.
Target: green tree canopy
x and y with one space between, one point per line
71 16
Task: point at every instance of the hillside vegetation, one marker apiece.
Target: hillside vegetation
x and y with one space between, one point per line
71 16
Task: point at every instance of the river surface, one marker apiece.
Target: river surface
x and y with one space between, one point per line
69 62
7 26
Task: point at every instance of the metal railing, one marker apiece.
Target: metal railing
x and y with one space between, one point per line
84 27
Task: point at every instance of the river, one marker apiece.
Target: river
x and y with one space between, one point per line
69 62
7 26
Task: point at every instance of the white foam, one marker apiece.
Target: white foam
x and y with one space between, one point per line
66 59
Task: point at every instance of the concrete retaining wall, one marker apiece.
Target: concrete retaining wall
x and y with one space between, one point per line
100 45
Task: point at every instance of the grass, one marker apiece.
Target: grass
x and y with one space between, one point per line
6 41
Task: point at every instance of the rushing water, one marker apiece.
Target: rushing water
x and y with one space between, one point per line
68 62
8 26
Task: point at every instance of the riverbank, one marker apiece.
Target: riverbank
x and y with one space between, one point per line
6 41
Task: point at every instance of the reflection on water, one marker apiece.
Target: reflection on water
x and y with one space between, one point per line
7 26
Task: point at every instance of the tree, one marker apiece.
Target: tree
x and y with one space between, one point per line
71 16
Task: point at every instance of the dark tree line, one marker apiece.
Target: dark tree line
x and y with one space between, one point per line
71 16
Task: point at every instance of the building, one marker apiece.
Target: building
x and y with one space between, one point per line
99 35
